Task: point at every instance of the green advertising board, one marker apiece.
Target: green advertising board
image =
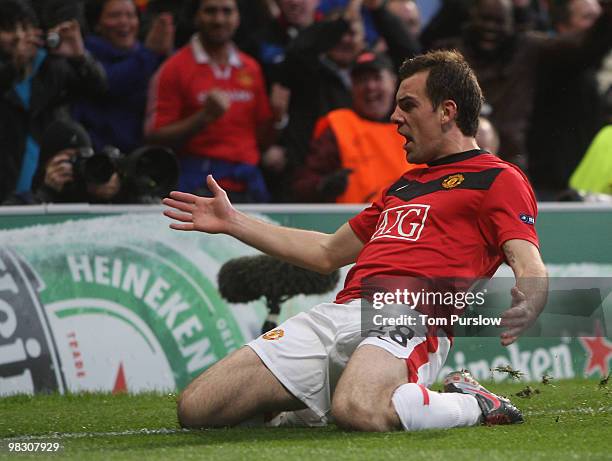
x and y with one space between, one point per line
109 298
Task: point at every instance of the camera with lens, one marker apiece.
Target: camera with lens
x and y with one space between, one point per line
147 174
90 167
55 12
53 40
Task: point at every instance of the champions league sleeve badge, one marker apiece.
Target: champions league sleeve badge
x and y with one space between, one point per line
527 219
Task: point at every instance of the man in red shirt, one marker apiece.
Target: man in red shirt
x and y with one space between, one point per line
209 102
459 217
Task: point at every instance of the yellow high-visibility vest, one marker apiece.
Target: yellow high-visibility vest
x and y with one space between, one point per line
594 173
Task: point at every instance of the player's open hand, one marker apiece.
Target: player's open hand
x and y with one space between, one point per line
516 319
205 214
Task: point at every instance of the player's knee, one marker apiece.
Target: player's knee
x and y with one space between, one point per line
191 411
355 415
184 411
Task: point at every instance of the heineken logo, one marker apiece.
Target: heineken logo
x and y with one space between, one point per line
28 359
162 299
128 318
556 360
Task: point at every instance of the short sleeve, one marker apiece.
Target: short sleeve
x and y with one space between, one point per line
164 99
263 111
509 210
364 224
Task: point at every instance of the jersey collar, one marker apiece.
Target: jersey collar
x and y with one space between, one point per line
201 56
457 157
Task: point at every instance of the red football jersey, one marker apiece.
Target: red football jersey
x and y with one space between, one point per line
449 220
181 86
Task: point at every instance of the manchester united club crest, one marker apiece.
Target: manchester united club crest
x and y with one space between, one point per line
453 181
245 79
273 335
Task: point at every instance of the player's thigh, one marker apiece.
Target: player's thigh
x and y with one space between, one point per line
362 398
232 390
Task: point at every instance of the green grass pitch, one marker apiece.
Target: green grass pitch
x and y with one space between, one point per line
570 420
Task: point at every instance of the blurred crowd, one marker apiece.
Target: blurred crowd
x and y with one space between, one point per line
120 101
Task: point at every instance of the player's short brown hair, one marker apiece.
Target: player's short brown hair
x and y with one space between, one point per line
450 77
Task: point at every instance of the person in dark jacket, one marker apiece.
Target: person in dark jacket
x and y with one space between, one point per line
117 117
269 43
568 109
317 73
508 64
38 85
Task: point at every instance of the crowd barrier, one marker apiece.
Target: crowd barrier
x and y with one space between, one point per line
109 298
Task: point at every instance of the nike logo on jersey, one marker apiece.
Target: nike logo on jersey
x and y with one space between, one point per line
479 180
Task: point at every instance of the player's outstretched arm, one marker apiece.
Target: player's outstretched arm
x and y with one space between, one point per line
531 290
309 249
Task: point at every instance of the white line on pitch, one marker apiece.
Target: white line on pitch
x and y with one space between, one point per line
164 431
79 435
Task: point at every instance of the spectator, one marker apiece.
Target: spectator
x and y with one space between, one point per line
269 43
56 180
532 14
453 16
487 137
593 176
356 152
317 73
568 109
408 12
507 64
117 117
209 103
253 14
38 85
573 16
371 30
448 22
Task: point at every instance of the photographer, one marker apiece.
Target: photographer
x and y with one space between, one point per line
37 83
58 178
70 171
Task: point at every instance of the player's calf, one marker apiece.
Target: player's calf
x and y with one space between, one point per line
352 414
362 399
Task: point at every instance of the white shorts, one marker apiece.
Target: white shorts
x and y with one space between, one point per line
308 352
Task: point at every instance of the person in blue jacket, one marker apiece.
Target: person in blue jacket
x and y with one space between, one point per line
116 118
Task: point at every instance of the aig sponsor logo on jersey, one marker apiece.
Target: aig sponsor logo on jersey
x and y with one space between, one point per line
402 222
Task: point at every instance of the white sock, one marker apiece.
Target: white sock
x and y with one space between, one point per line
299 418
419 408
